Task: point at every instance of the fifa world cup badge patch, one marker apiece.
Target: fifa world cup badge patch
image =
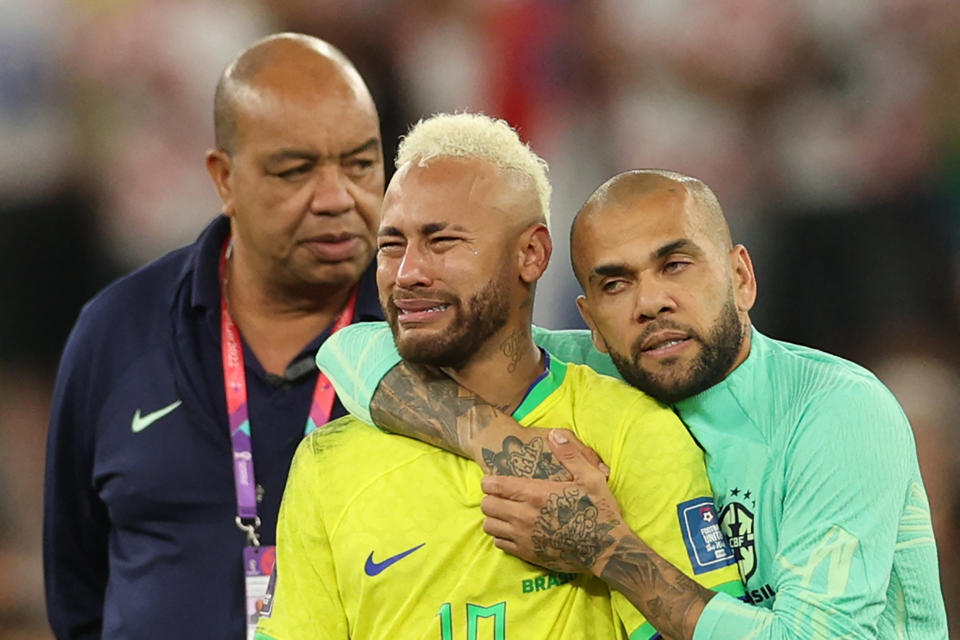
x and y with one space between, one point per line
706 545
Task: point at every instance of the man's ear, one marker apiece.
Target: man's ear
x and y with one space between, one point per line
220 168
744 279
584 306
534 249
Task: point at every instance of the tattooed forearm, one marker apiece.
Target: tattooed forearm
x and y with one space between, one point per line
417 402
512 347
414 401
671 601
569 529
524 460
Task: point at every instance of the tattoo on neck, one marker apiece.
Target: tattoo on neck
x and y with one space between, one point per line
531 460
568 527
512 347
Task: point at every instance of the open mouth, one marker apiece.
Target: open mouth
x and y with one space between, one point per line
411 311
665 344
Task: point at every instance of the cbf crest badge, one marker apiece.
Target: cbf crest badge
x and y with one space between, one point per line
737 523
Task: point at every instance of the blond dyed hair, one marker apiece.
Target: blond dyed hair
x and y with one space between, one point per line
476 136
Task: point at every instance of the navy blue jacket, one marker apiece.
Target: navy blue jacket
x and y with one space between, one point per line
139 538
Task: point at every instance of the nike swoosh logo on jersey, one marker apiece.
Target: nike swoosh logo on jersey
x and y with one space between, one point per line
374 568
139 422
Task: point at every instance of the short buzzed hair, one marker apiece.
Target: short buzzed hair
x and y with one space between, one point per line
630 184
247 64
476 136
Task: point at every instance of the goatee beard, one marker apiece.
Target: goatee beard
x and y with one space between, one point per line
717 354
486 312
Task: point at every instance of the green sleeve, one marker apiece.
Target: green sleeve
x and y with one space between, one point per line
851 498
575 345
355 359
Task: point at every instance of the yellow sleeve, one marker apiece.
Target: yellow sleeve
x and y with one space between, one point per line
305 600
659 477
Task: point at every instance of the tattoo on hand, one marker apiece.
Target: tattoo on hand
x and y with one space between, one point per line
530 460
569 527
512 347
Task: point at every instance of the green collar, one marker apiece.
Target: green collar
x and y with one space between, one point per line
547 383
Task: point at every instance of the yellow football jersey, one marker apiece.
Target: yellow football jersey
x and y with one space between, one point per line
380 536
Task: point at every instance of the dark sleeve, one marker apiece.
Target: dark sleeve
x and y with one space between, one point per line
75 523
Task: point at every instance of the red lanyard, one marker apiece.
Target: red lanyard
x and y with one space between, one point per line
235 386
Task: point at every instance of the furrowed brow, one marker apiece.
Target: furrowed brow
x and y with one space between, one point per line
684 245
389 231
369 145
433 227
610 270
291 154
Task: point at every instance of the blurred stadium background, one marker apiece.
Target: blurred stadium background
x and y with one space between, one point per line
829 130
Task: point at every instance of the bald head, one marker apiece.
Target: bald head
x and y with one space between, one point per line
635 190
284 62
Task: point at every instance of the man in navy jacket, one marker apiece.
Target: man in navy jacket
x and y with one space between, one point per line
186 386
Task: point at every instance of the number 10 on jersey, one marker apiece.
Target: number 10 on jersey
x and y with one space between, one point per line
497 613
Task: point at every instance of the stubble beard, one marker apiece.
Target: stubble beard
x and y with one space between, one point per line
717 354
485 313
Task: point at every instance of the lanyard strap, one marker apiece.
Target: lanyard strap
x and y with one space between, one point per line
235 387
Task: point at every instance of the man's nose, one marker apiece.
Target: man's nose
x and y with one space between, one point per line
653 298
415 267
331 195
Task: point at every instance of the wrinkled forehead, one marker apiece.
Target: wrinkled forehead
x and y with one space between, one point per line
469 192
632 230
629 219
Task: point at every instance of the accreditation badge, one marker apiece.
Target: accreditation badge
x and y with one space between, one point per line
257 568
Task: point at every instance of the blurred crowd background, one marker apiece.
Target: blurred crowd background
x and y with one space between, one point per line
829 130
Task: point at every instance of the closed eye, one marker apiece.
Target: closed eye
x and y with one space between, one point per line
359 167
444 243
293 172
389 246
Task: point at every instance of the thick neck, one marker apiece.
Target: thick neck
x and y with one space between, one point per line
276 323
259 289
503 369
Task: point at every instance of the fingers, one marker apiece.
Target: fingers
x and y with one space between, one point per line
507 545
498 529
592 457
496 507
518 489
577 458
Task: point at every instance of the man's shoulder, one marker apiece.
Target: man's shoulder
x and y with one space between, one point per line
142 300
364 462
590 387
819 391
131 302
149 285
611 414
814 374
357 441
